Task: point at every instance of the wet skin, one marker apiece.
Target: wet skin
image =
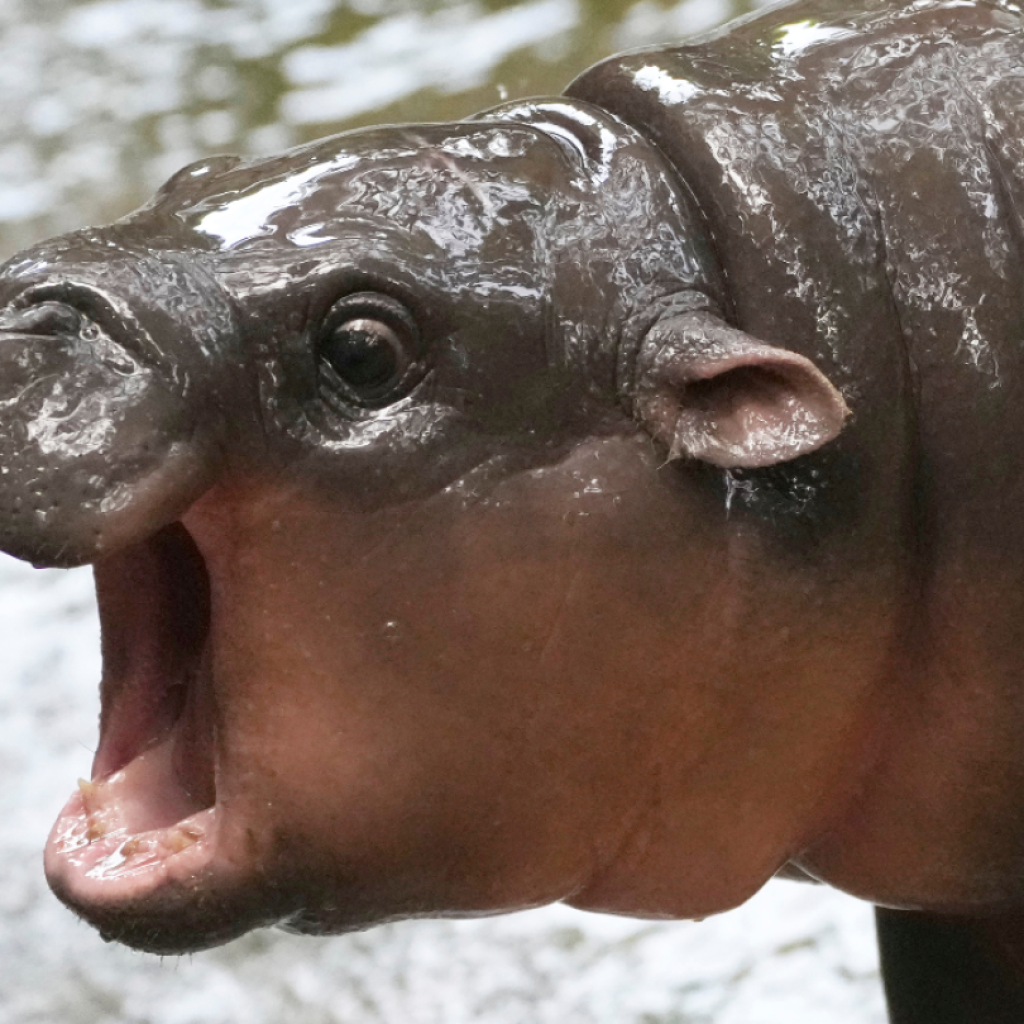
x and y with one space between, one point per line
610 499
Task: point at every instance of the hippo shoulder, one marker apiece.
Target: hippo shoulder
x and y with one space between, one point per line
801 130
788 100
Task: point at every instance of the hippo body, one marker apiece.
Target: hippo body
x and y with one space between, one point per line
884 203
610 498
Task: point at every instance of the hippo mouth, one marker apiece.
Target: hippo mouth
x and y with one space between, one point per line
148 816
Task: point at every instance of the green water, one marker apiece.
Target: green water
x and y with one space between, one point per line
100 101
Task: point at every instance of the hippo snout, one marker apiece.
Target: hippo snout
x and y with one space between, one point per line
110 426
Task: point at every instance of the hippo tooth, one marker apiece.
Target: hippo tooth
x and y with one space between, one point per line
182 838
97 829
131 847
88 791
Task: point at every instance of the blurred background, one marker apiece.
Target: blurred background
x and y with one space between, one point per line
99 102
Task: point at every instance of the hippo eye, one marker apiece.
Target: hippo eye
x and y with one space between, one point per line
367 348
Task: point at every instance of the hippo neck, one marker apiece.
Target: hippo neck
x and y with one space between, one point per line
900 276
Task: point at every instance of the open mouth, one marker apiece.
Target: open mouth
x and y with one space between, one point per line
149 813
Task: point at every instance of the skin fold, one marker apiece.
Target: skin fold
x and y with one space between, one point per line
609 498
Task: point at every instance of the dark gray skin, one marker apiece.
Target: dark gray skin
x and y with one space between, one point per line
612 499
885 202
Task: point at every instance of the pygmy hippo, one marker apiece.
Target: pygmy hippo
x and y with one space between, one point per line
611 498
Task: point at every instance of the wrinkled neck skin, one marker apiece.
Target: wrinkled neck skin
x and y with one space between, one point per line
883 183
460 641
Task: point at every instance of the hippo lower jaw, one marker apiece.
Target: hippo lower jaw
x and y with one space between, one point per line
147 825
104 848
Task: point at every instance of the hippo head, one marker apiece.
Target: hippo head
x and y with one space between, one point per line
399 460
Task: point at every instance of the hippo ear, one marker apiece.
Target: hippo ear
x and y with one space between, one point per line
714 393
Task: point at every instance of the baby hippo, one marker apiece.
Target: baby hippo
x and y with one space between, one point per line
613 498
